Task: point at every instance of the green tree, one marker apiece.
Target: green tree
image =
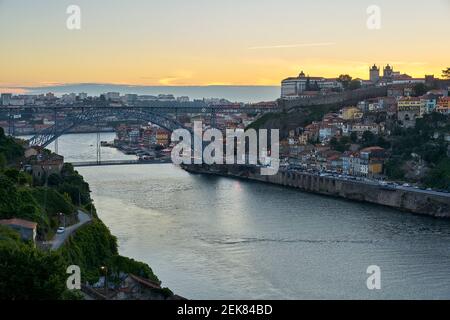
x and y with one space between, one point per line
9 202
2 161
439 177
369 139
25 179
30 274
334 143
383 143
393 168
446 73
354 84
54 180
420 89
345 80
12 174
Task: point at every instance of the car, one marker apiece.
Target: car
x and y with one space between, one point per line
61 230
406 185
429 189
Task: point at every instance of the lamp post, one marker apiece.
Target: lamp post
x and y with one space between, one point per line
105 270
64 218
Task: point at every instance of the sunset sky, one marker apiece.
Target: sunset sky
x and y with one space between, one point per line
205 42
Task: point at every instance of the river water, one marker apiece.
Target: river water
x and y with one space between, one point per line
218 238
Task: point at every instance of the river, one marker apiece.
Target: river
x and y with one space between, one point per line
218 238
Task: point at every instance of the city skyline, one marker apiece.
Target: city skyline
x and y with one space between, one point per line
174 43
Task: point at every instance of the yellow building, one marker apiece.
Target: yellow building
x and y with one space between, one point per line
351 113
375 168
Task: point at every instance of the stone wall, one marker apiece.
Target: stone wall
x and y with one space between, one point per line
347 97
406 200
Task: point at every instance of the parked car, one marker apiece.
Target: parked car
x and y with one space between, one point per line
61 230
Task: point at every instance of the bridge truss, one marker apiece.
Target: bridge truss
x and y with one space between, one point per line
94 116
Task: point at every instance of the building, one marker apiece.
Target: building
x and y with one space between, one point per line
148 137
27 229
183 99
372 161
112 96
130 99
162 137
6 99
374 74
44 165
133 136
82 96
350 163
350 113
360 128
406 79
389 73
430 102
166 97
408 110
395 91
32 152
443 105
292 88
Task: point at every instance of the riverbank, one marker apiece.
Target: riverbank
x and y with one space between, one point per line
413 201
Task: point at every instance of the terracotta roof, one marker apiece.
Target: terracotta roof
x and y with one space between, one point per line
19 222
370 149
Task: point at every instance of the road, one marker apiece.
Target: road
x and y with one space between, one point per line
374 182
59 239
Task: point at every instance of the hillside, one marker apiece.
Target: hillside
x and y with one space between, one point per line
30 271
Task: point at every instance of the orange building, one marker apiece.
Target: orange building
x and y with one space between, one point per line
162 137
443 105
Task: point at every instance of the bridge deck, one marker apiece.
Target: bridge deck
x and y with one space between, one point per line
118 162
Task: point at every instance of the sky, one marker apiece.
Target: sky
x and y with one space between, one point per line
216 42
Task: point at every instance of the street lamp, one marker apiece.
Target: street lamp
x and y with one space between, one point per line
62 214
105 270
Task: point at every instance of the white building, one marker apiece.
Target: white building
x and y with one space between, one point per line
112 96
82 96
183 99
6 98
292 88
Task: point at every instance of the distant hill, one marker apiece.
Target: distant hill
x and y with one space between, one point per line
232 93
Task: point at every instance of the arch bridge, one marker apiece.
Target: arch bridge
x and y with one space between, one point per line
95 115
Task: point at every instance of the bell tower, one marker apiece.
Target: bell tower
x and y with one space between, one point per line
374 74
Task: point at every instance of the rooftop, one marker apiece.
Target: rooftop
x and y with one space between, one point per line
19 222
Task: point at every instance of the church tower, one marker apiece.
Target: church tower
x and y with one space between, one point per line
388 73
374 74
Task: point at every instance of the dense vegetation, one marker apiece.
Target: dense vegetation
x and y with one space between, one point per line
287 121
425 144
28 272
93 246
